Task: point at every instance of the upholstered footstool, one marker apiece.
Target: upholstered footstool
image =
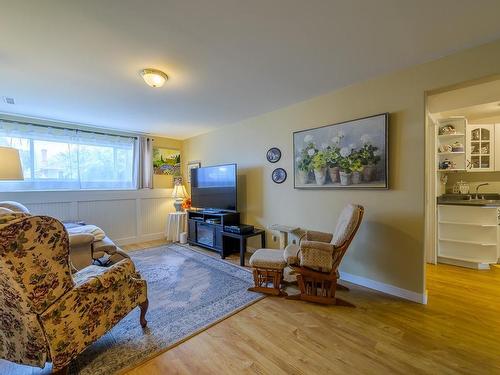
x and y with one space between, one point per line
268 266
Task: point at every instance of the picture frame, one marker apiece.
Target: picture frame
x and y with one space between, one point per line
352 154
192 165
166 161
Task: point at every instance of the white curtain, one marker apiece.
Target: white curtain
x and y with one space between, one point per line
145 169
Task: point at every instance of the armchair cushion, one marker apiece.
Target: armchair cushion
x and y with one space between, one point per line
312 235
291 254
316 255
348 220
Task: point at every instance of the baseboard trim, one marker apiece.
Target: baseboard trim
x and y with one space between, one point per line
138 239
385 288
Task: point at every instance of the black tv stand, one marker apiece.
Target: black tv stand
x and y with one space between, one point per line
205 228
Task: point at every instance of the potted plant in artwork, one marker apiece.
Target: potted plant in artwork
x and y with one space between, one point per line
304 160
318 165
357 170
369 158
345 167
332 155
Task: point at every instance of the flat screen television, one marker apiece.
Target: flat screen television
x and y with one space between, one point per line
214 187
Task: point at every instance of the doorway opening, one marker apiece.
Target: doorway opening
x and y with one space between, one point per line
463 177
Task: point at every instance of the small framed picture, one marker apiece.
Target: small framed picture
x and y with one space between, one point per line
192 165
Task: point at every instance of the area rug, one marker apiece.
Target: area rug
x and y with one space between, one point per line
188 291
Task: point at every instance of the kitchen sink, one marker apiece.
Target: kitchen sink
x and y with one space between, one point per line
472 199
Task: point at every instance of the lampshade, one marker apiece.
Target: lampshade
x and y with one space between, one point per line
154 77
179 192
10 164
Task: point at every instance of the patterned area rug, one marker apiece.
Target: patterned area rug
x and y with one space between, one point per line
188 291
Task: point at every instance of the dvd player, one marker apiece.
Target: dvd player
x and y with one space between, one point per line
239 229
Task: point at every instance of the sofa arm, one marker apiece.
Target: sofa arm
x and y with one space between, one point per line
80 239
312 235
316 255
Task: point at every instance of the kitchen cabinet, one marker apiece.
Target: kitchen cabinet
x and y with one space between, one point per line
481 147
468 236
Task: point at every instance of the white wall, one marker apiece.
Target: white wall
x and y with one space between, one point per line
126 216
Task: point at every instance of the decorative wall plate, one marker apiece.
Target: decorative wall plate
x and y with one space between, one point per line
273 155
279 175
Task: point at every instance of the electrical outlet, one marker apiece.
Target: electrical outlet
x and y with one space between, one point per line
275 238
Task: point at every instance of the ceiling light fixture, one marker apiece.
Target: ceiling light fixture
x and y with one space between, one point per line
154 77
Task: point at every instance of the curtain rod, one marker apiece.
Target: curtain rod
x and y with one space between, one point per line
65 128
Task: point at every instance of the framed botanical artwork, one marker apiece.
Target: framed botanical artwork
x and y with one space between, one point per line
347 155
166 161
192 165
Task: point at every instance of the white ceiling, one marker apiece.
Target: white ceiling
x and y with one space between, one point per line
227 60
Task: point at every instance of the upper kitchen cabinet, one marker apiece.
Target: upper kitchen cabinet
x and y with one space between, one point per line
481 141
450 143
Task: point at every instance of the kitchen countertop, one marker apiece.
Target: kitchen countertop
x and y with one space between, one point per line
493 200
486 203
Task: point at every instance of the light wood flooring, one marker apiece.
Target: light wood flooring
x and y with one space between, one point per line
458 332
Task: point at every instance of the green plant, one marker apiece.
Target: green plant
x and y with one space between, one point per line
332 155
345 164
356 165
305 157
367 154
319 160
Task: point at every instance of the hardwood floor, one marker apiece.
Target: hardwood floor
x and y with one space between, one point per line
458 332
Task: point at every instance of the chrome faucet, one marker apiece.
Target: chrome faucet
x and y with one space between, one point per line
477 189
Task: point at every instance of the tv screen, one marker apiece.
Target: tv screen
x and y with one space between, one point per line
214 187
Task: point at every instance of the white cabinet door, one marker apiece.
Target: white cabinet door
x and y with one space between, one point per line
481 147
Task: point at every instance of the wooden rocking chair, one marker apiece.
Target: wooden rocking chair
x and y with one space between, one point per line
317 258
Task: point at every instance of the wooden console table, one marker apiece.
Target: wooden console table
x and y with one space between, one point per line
243 241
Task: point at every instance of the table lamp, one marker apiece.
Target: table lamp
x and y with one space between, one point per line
10 164
179 194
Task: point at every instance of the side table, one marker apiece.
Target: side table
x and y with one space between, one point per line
176 224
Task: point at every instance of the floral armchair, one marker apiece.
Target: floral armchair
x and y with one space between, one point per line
46 314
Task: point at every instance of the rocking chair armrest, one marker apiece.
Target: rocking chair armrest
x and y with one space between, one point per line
317 245
316 255
318 236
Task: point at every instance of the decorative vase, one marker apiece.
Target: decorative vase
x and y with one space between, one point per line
320 176
356 177
345 178
369 173
334 174
303 177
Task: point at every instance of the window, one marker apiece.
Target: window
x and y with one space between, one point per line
69 159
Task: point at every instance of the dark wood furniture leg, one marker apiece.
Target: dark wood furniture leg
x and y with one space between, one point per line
243 248
144 309
62 371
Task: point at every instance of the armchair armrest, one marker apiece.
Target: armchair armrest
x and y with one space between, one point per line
312 235
317 255
112 275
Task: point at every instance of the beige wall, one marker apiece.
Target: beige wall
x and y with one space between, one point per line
389 247
164 181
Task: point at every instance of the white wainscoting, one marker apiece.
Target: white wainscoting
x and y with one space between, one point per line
126 216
